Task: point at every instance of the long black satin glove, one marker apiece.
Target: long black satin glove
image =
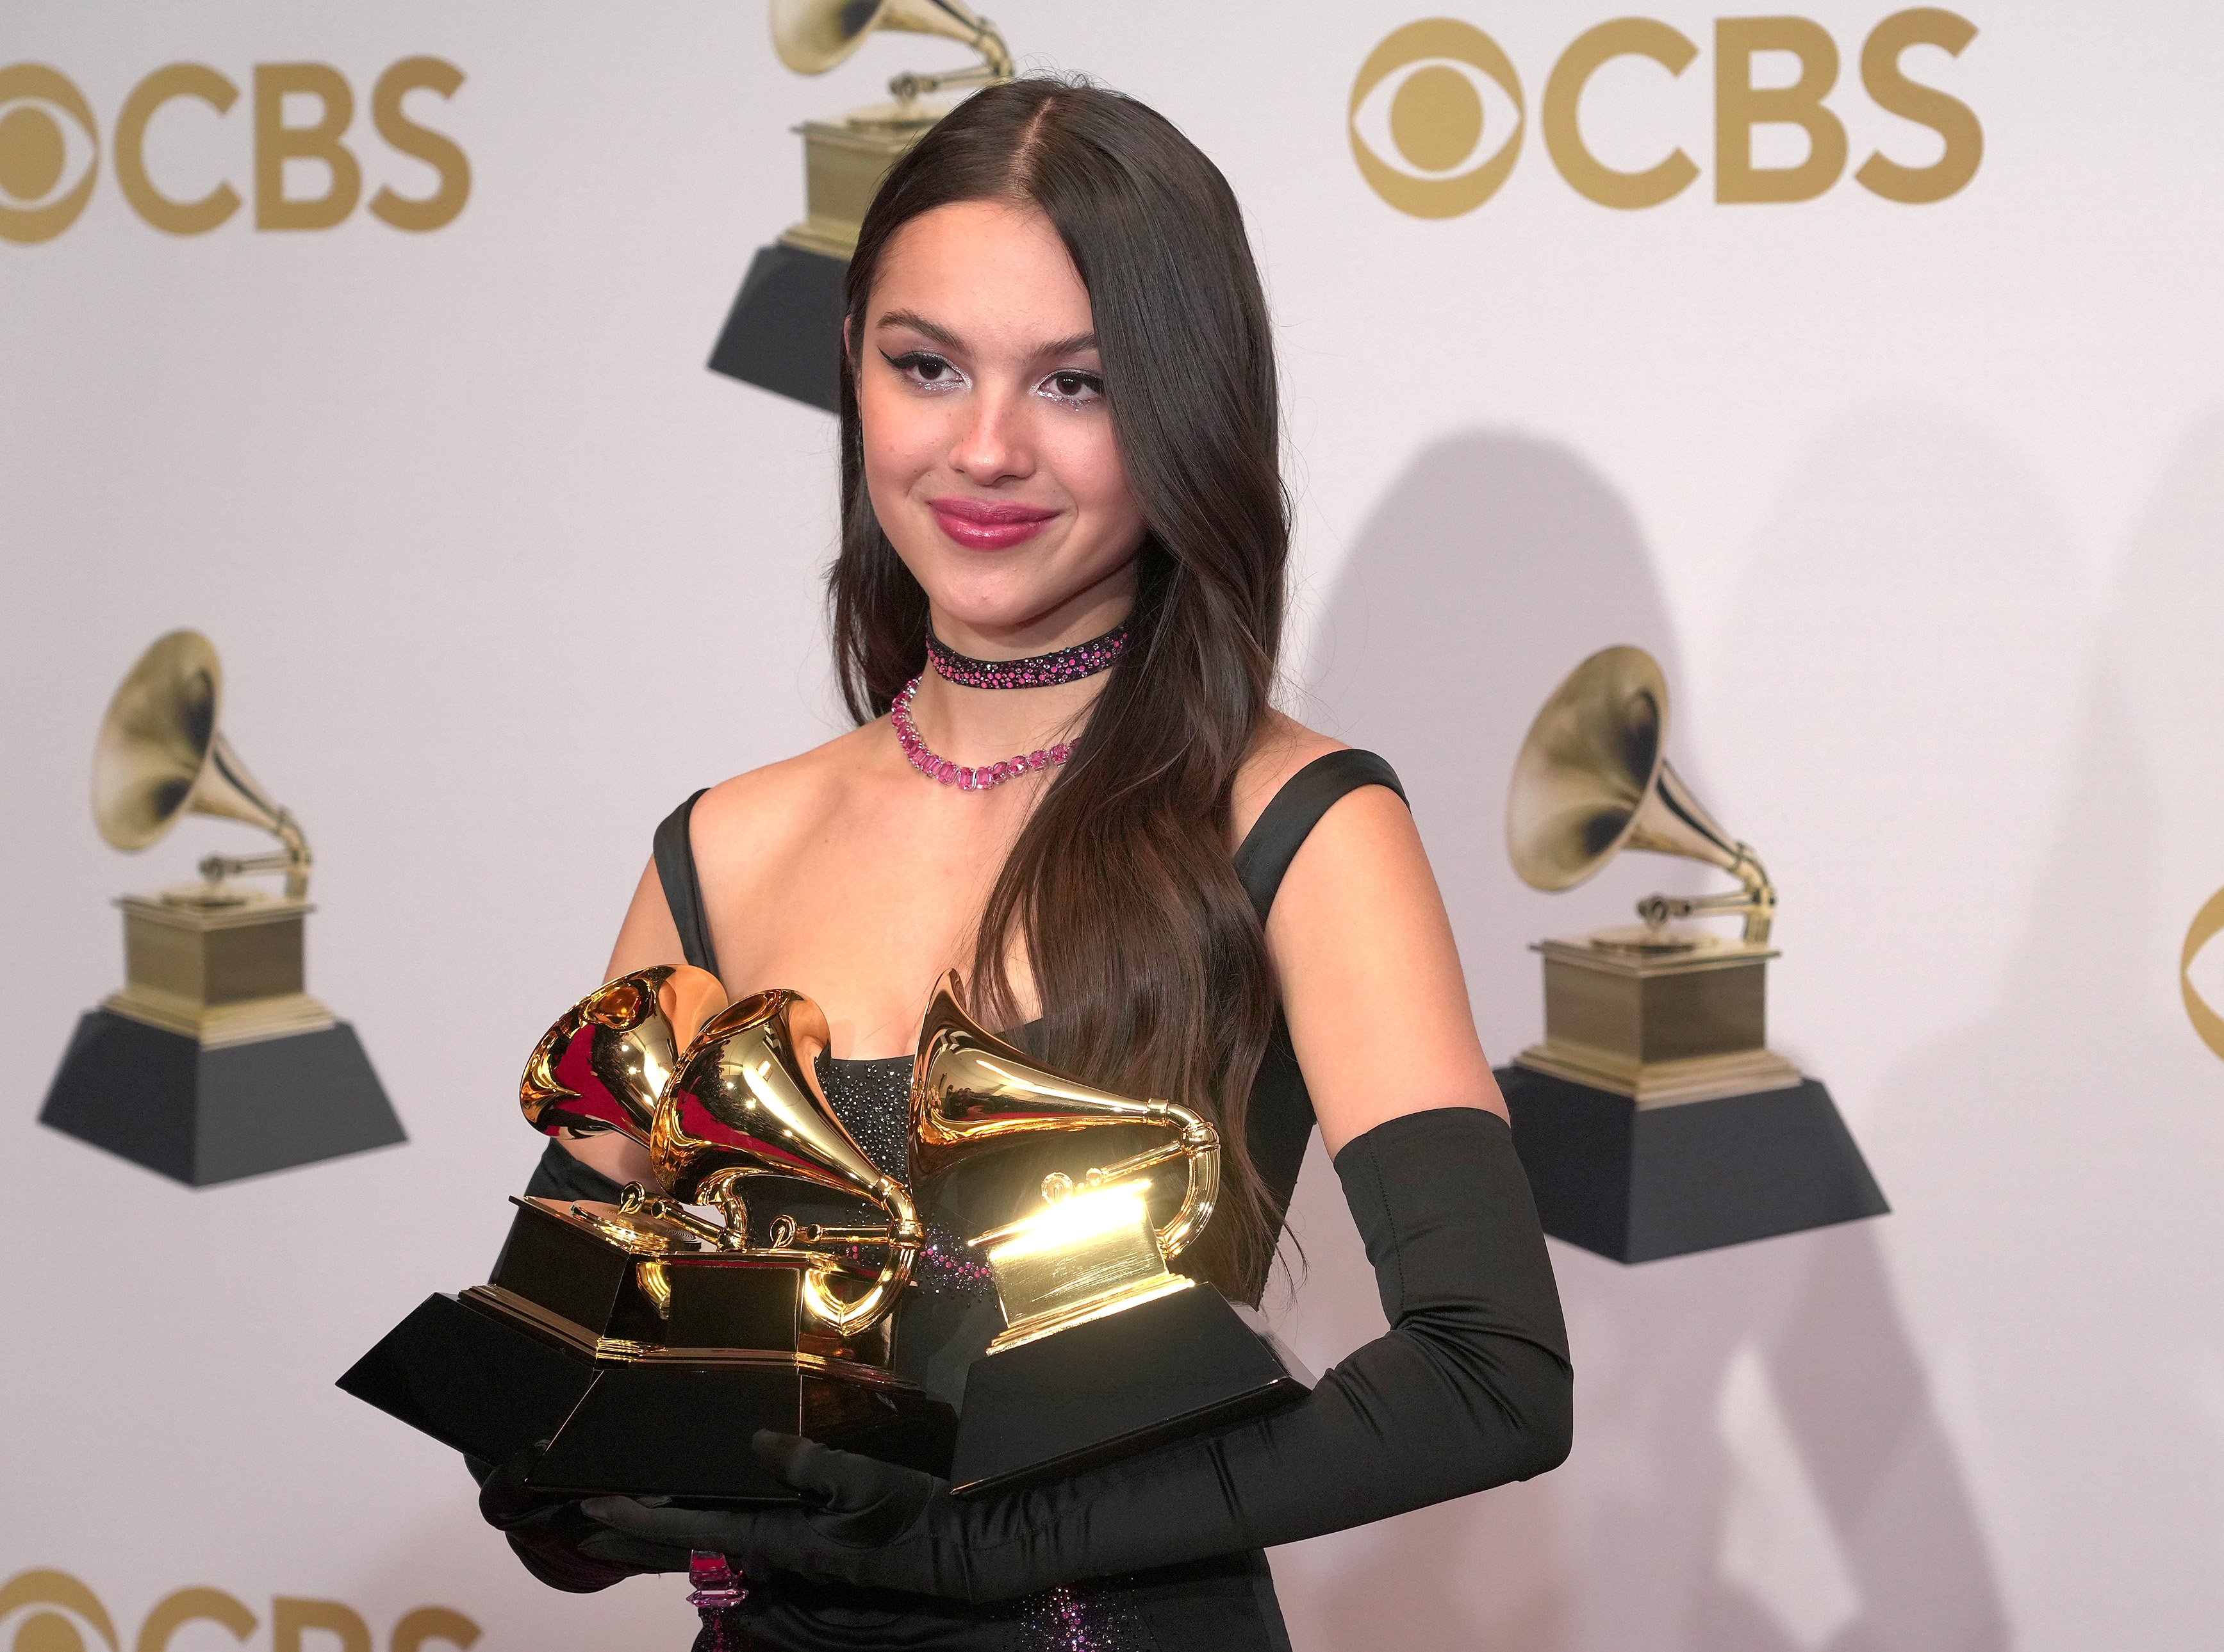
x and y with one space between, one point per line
1469 1388
557 1543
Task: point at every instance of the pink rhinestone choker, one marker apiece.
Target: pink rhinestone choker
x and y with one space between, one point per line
950 774
1036 671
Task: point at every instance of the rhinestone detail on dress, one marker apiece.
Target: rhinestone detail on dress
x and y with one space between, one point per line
873 1098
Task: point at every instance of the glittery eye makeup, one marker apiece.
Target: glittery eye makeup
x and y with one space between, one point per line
1072 386
924 370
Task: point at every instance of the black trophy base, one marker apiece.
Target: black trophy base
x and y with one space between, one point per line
205 1115
1183 1363
1638 1183
784 333
488 1386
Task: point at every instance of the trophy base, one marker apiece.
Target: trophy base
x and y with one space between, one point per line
1177 1365
489 1382
784 333
1663 1017
1636 1183
202 1113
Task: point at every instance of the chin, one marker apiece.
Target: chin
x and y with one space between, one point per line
999 596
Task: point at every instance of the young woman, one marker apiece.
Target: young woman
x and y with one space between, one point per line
1057 610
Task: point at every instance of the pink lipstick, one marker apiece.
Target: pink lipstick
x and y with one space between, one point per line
989 524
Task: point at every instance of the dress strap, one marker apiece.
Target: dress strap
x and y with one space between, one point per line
683 893
1288 819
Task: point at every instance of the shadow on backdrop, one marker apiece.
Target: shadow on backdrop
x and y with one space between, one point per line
2074 1124
1757 1464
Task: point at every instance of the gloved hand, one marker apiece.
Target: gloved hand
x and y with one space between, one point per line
862 1522
557 1543
1469 1388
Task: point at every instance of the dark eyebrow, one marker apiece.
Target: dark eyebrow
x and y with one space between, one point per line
949 340
918 323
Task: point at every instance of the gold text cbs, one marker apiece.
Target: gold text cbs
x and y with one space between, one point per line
50 147
1418 115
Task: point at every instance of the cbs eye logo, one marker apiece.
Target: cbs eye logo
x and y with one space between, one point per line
306 176
2200 973
1437 115
47 140
1421 118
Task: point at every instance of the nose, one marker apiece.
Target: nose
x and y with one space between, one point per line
992 443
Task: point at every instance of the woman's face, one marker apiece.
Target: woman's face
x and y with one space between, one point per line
989 446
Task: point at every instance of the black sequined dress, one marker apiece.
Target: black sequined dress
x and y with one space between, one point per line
1218 1603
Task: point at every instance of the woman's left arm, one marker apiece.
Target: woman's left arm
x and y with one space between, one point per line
1369 975
1469 1387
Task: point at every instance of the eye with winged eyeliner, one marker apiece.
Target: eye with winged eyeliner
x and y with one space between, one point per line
925 369
1072 386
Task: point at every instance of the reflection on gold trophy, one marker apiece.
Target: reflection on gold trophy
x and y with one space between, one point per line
844 160
213 1061
647 1338
1657 1011
1091 1249
746 1102
1105 1349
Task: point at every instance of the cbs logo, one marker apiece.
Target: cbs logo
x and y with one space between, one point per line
306 176
1437 113
53 1612
2200 973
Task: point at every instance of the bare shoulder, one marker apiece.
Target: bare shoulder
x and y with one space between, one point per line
757 814
739 827
1283 747
1364 845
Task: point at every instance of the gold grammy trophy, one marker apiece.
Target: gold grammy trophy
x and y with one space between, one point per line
646 1339
1664 1122
1106 1349
212 1060
783 330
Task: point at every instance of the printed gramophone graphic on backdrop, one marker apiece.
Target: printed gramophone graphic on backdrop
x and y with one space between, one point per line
212 1062
648 1340
784 332
1653 1119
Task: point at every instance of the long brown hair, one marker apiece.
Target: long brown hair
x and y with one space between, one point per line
1147 956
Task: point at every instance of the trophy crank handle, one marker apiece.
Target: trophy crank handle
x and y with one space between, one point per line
1758 908
1756 900
909 88
293 860
1149 1159
904 1236
787 1232
637 1200
1199 1143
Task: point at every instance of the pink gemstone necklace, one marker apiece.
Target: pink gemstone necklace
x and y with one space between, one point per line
1066 665
950 774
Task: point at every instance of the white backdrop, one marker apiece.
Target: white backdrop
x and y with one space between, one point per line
1921 507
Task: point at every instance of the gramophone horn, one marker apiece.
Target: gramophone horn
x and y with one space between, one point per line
607 1058
161 754
1594 779
971 1089
812 36
744 1102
